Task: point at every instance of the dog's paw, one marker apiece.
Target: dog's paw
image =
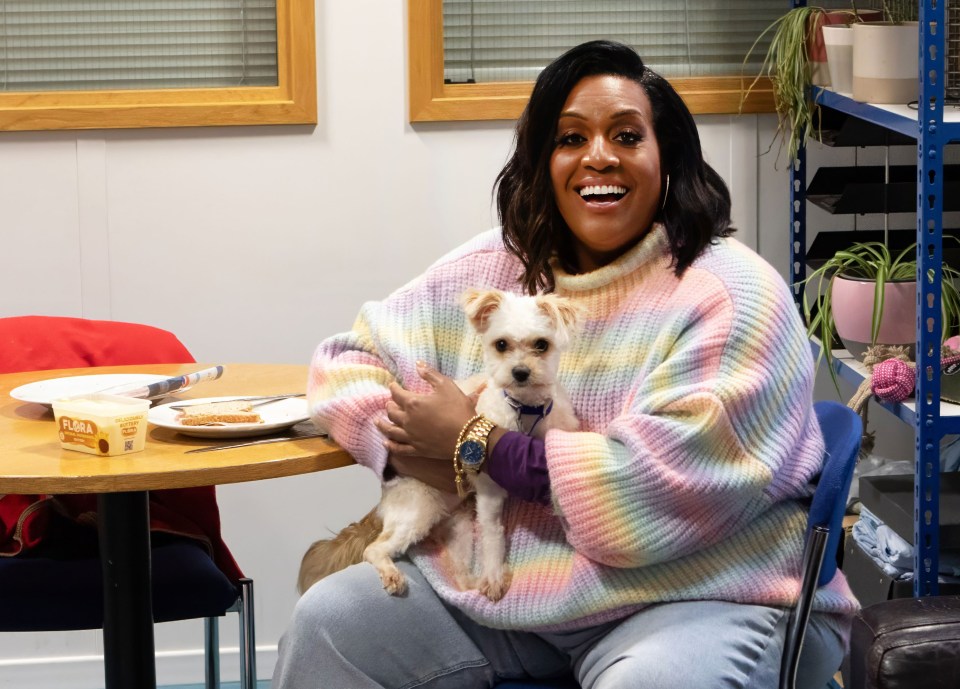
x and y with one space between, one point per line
495 588
393 582
465 582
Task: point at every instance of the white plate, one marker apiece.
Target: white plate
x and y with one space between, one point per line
276 416
45 391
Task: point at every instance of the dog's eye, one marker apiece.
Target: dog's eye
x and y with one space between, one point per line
541 345
501 345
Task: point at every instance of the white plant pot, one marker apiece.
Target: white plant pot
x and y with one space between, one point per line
886 62
838 39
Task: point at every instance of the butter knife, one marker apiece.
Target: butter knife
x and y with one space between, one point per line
260 441
258 400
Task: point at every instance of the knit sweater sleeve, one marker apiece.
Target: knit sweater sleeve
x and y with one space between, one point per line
350 373
347 389
714 429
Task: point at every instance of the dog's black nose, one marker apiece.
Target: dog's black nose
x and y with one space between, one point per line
521 373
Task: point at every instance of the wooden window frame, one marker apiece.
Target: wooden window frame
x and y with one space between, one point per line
431 100
292 101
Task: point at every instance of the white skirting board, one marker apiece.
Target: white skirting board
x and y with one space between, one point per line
86 672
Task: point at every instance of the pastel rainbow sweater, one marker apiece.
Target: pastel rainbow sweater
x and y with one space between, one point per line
698 438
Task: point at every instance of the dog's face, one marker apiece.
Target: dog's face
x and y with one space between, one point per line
522 339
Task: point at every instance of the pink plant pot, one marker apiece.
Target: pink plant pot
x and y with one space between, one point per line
852 305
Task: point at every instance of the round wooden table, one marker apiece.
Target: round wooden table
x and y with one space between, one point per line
32 461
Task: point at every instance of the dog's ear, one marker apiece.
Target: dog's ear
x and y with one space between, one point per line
564 313
479 304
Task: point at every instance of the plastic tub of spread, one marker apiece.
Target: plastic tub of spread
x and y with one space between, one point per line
102 424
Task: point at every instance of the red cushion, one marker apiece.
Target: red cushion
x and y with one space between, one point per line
40 343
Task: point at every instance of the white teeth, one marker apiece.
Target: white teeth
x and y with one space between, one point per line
602 189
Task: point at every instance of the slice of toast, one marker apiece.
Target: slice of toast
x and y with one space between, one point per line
219 414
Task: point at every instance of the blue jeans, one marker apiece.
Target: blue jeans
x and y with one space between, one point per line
347 633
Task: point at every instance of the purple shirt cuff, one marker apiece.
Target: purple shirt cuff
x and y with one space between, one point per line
518 463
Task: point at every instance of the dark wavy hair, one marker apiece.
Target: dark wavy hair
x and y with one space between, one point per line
697 207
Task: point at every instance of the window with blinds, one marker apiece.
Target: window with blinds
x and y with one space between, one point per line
512 40
478 59
85 45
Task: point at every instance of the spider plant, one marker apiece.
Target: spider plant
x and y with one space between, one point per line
900 11
872 261
788 66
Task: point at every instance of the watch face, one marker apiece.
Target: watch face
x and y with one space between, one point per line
472 453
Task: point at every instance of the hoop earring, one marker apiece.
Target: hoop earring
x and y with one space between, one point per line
666 190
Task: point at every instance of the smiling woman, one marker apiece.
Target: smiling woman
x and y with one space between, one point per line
606 119
675 515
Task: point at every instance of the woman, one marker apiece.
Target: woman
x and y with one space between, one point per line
666 530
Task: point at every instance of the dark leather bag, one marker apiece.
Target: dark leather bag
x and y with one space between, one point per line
907 643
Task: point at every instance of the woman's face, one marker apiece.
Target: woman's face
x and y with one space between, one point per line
605 168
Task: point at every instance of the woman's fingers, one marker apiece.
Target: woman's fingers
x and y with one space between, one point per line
431 375
392 431
399 449
400 396
427 423
394 413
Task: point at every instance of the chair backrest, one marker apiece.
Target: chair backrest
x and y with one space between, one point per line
40 343
842 430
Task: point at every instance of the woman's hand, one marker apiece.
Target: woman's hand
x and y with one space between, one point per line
426 426
434 473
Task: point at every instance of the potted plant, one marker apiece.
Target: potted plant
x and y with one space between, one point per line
868 296
792 67
885 55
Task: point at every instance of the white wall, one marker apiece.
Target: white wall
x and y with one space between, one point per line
253 244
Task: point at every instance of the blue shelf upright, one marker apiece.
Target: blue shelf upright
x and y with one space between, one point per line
930 144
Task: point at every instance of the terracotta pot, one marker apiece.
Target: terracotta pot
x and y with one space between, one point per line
885 62
852 305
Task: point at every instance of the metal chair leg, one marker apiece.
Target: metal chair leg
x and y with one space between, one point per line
248 651
211 652
797 624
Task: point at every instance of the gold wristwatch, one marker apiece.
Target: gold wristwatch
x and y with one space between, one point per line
472 449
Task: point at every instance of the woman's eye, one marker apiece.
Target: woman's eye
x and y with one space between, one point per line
569 140
541 345
629 138
501 345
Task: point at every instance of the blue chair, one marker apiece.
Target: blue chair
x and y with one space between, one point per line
842 430
54 594
60 588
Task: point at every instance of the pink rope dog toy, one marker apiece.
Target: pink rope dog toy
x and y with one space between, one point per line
893 380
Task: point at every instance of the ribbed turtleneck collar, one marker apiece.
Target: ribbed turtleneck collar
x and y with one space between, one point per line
647 252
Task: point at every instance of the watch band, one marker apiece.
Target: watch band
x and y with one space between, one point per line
457 466
478 433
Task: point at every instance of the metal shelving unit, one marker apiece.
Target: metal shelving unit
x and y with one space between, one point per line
930 418
853 372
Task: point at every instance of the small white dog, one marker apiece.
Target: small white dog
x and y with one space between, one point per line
522 339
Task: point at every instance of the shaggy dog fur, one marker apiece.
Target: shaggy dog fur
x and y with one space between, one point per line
522 339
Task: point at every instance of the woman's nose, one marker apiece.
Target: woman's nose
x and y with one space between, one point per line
600 155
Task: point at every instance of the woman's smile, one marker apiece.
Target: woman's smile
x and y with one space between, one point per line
602 195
